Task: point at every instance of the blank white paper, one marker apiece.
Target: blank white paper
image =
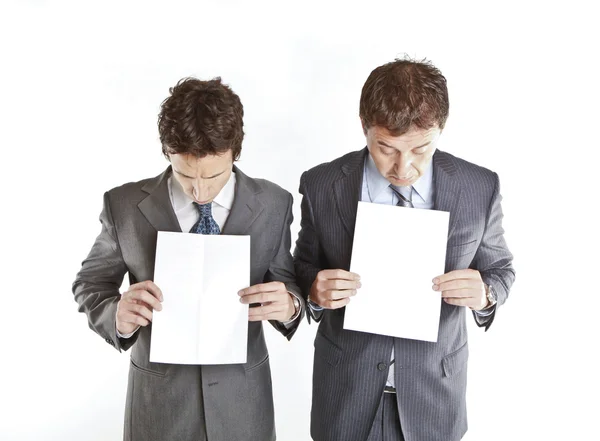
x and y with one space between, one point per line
202 320
397 252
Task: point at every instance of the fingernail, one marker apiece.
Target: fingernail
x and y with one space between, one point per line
240 292
358 285
436 287
436 280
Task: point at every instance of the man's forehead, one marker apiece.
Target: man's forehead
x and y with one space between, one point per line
414 135
193 162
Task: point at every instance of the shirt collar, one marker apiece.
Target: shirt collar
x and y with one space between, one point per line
375 181
424 185
224 199
378 183
227 194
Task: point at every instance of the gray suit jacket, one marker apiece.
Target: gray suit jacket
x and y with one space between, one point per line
177 402
350 368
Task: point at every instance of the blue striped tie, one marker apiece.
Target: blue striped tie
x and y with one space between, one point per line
206 224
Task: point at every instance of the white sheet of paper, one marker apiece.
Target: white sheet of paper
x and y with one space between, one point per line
202 320
397 252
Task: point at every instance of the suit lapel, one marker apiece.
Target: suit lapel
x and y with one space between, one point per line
447 187
246 205
157 207
347 189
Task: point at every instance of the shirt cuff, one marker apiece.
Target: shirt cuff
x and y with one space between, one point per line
484 312
314 306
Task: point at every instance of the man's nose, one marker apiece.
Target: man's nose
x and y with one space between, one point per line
403 165
200 191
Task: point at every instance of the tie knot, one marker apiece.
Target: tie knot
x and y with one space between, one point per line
204 209
404 195
206 224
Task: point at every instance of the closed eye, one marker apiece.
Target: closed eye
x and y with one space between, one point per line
387 150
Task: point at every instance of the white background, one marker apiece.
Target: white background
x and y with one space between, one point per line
80 88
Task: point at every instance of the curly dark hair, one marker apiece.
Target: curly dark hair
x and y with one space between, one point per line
402 94
201 118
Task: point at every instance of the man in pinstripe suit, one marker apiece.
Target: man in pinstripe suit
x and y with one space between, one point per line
374 387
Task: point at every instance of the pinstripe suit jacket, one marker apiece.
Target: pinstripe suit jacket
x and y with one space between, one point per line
350 368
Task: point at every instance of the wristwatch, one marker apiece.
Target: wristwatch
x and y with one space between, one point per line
296 304
491 295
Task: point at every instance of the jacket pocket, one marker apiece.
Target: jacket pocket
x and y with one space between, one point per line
257 365
327 350
145 370
455 362
461 244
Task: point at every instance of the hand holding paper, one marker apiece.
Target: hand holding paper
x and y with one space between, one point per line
274 299
136 306
333 288
462 288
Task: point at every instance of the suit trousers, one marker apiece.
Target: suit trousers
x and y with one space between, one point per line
386 426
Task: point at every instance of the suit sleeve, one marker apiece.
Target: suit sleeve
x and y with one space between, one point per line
307 255
282 270
96 286
493 259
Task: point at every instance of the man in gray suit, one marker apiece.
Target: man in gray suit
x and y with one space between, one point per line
376 387
201 131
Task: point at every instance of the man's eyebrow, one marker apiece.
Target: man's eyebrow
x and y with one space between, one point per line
383 143
179 173
214 176
422 145
204 177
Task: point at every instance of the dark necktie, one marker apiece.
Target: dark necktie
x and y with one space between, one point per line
206 224
402 201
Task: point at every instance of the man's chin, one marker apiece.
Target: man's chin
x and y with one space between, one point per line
398 182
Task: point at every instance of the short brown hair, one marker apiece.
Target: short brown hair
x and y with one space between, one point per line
201 118
402 94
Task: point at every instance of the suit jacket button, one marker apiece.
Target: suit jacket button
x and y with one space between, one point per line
382 366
